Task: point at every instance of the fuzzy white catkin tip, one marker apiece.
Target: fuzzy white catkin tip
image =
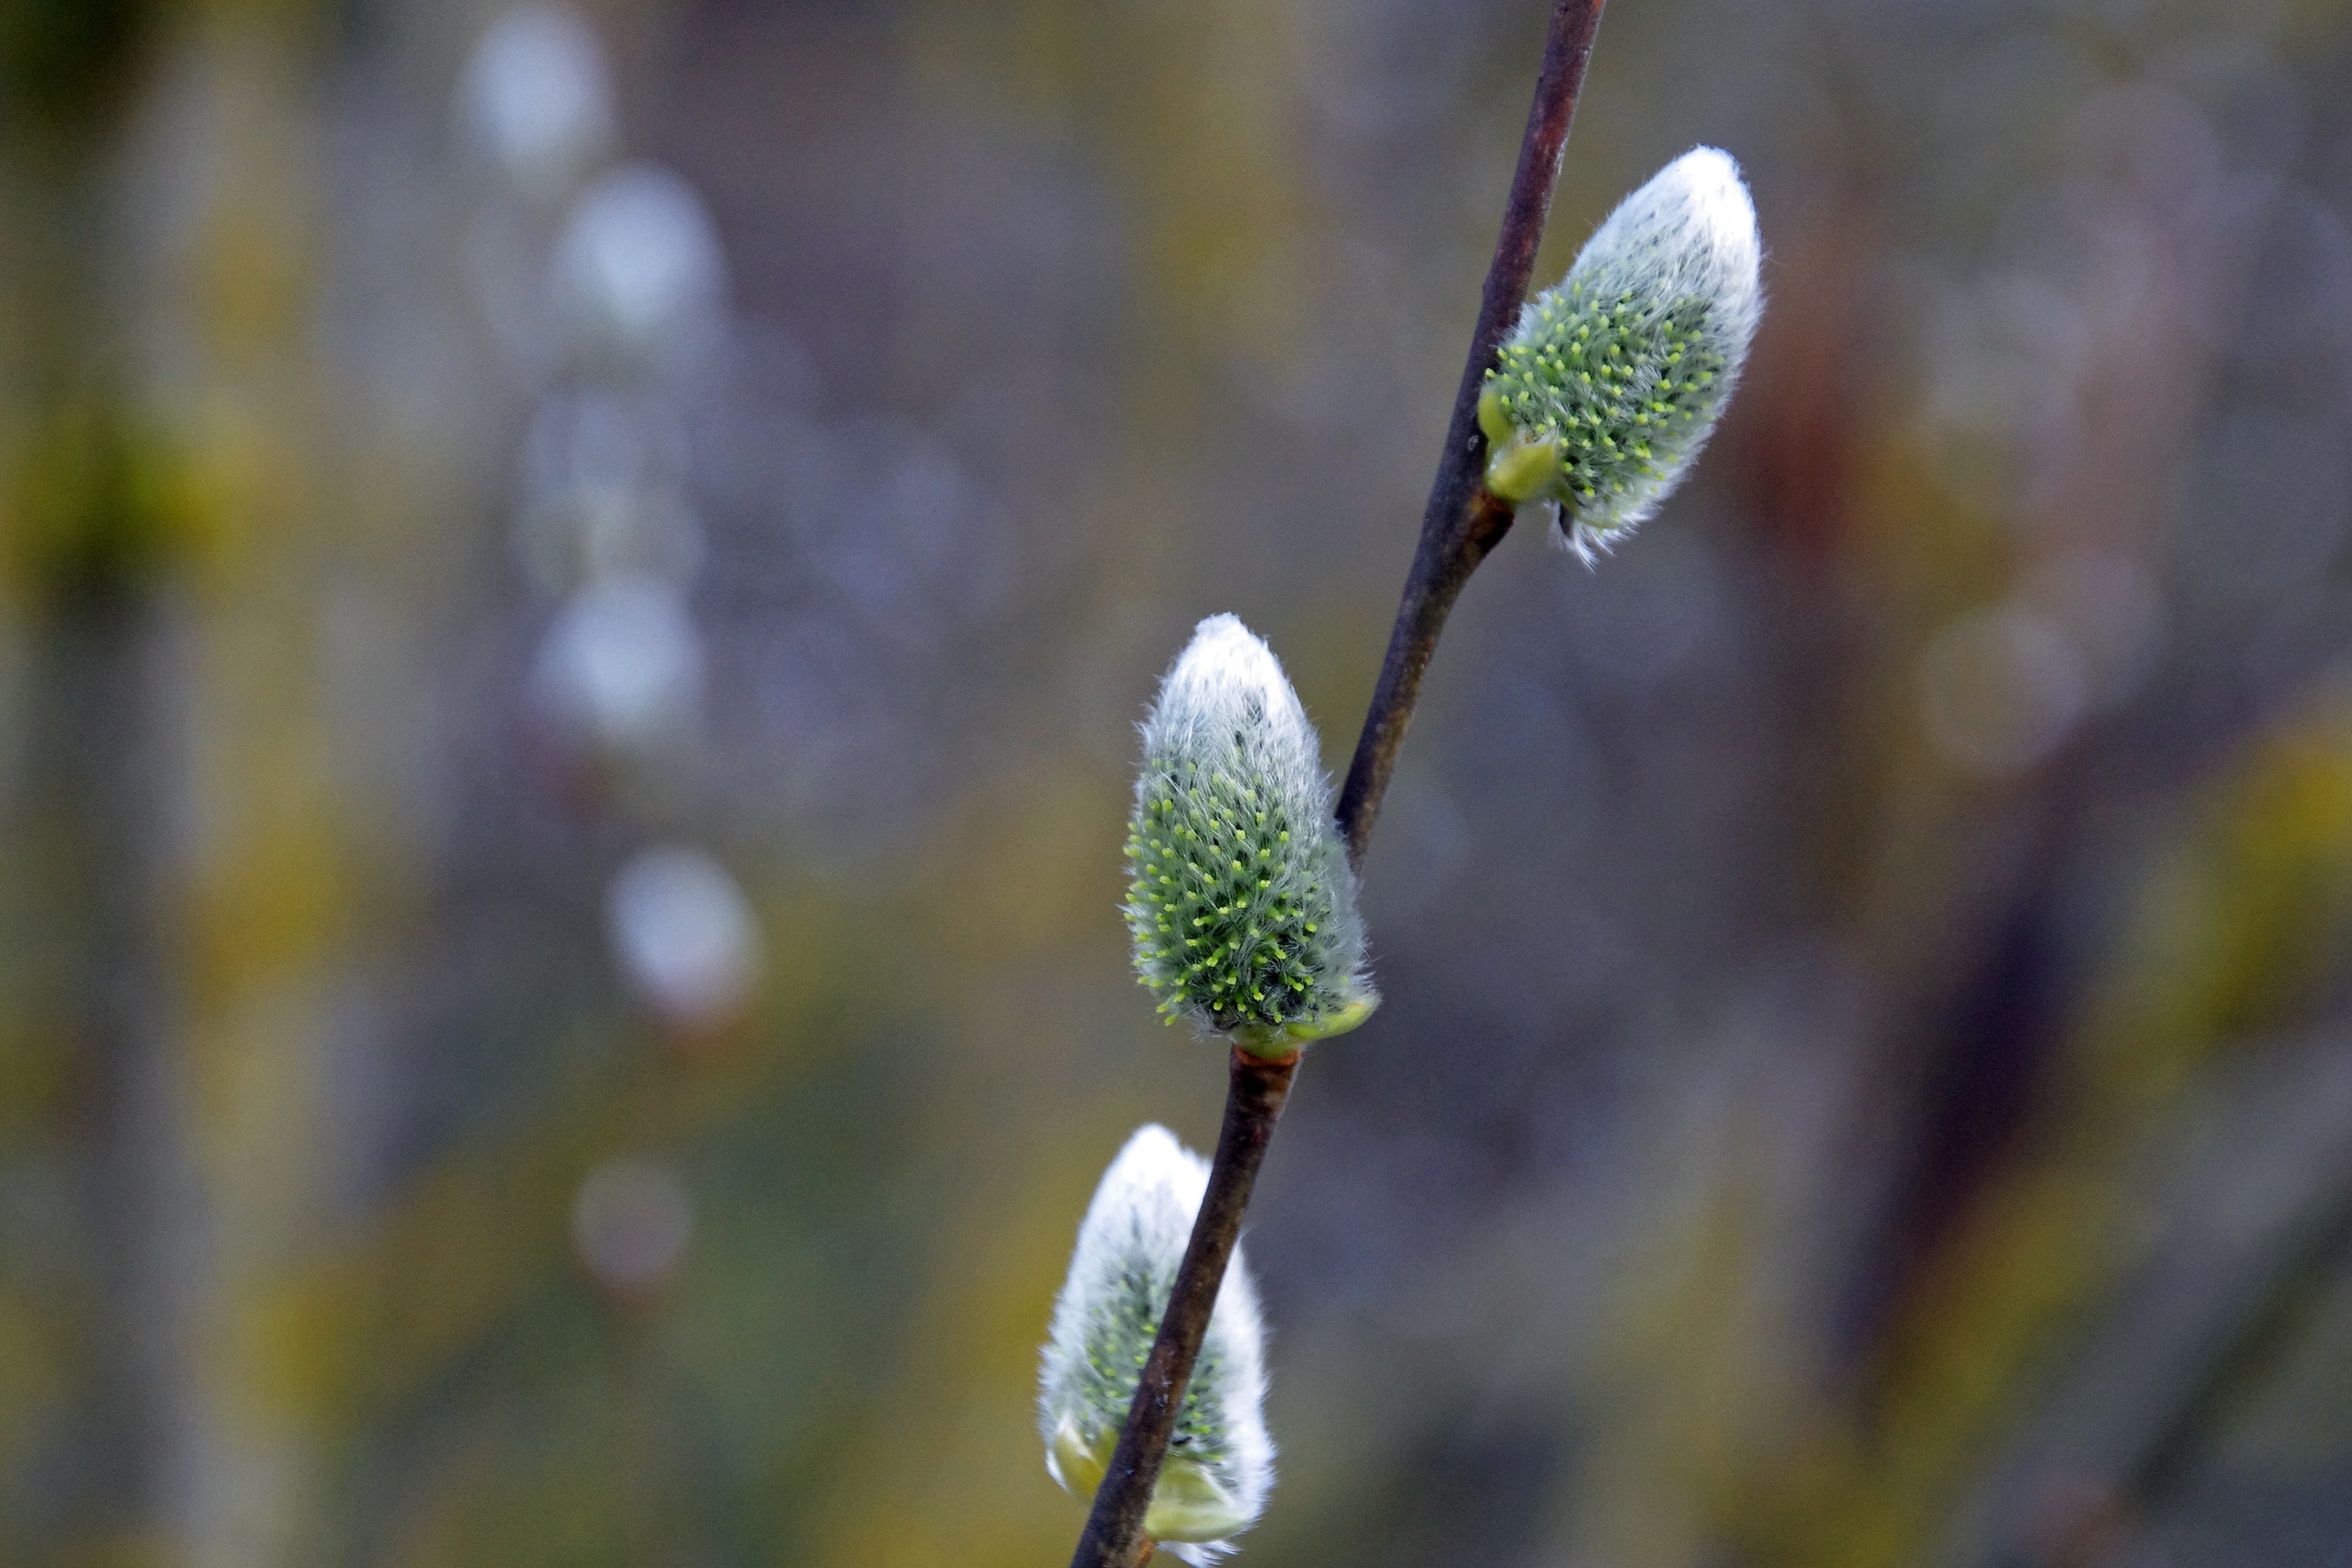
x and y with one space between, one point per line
1611 382
1220 1462
1240 899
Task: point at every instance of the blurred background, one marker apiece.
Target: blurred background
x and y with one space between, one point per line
574 588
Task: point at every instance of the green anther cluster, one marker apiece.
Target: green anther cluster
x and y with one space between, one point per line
1593 398
1231 903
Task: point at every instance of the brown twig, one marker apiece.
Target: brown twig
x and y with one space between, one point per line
1441 567
1461 524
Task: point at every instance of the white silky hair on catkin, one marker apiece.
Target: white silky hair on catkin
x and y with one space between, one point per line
1142 1213
1690 230
1225 679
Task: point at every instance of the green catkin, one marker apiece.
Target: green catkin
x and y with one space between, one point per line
1610 383
1233 843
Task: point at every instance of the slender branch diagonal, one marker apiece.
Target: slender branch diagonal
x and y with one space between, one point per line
1460 525
1462 522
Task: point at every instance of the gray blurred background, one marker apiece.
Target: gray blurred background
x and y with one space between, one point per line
574 588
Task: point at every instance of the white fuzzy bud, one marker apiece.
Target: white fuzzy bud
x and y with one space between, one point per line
1612 381
638 273
1241 900
1220 1462
537 98
621 667
685 938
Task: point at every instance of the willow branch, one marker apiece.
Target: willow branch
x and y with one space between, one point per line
1461 521
1460 525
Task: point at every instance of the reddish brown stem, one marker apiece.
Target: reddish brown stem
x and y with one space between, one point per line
1444 565
1461 521
1461 524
